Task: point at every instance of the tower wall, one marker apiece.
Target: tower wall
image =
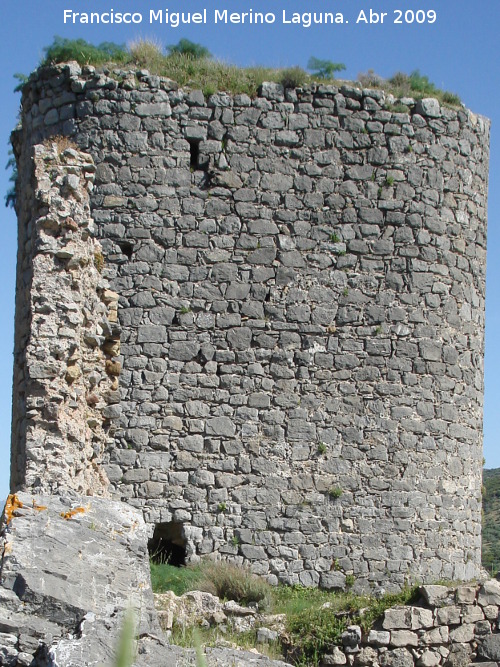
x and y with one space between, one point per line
301 280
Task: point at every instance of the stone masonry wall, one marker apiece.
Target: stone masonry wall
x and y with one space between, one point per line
66 325
453 627
301 281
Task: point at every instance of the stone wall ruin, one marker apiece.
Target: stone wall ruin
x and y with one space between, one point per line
301 302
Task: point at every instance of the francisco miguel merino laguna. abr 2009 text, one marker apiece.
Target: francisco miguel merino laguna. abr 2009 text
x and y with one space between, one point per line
224 16
175 19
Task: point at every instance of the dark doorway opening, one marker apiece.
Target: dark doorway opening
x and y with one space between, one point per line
168 544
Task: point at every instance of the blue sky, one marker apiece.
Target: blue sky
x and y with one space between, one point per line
457 52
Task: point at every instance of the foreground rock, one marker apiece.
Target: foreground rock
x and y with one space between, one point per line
71 568
206 610
152 655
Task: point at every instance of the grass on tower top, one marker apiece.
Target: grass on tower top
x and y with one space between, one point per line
192 65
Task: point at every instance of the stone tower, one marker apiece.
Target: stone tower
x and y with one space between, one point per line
300 281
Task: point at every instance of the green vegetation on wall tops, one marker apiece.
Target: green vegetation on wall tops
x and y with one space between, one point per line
418 85
324 69
63 50
191 64
188 48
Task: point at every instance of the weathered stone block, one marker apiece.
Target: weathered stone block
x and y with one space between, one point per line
449 615
429 659
240 339
183 350
399 657
397 617
332 580
299 429
489 593
489 647
151 334
428 107
463 634
220 426
403 638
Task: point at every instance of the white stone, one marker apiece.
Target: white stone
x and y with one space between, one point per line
491 612
448 615
436 635
429 107
403 638
379 637
396 618
466 594
336 657
462 634
435 595
421 618
429 659
472 614
489 593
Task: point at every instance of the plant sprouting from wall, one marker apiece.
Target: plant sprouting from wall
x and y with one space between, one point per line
63 49
335 492
10 197
191 63
324 69
293 77
22 78
186 47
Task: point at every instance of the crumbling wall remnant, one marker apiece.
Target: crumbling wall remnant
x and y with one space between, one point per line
67 331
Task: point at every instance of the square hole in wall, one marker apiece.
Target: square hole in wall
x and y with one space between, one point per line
197 162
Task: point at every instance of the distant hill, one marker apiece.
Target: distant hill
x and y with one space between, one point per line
491 520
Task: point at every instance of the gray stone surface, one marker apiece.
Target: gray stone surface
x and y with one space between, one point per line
153 655
459 656
75 565
489 593
489 648
435 595
399 657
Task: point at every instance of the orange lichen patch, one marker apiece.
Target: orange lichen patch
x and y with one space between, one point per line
38 508
71 513
13 503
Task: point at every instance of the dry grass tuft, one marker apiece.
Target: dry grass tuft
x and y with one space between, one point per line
147 52
231 582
